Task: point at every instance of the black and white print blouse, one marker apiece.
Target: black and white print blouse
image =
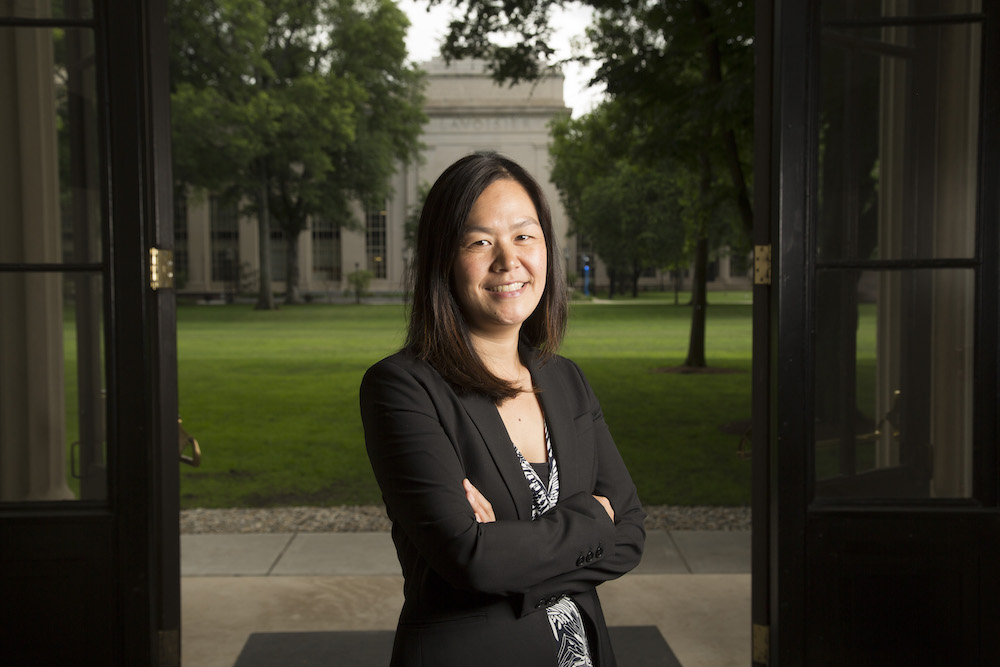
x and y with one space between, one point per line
564 616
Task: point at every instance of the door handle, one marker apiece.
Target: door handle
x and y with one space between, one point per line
184 440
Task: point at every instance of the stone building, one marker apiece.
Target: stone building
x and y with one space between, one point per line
217 250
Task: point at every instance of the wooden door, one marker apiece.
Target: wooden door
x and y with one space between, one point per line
89 545
876 350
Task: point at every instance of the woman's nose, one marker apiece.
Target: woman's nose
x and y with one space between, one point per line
505 258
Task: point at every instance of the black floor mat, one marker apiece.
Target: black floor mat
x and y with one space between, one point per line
635 646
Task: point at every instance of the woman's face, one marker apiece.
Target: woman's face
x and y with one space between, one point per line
499 272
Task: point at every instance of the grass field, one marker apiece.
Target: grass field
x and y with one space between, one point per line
273 398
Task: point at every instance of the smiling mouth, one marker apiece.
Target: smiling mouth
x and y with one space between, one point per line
510 287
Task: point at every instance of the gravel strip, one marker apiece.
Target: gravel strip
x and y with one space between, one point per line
371 518
670 517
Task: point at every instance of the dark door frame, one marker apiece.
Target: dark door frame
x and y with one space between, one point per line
98 582
146 499
761 353
787 523
780 205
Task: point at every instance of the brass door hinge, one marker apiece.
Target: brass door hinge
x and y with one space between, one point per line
161 268
762 264
761 644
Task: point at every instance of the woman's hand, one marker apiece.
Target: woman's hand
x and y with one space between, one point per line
484 510
480 506
607 506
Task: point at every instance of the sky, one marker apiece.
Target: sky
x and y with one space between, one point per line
427 31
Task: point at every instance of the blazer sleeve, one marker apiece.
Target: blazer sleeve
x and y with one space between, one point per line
419 470
615 483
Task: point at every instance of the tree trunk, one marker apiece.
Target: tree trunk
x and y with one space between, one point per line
265 298
636 272
732 154
699 281
612 283
292 295
696 343
712 76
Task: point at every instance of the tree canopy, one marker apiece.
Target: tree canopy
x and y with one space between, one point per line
298 107
628 211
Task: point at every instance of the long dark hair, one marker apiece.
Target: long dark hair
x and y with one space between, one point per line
438 332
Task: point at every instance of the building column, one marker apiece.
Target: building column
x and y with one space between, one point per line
249 245
305 261
723 274
199 242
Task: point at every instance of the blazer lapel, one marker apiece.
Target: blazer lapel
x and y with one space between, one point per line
559 419
484 415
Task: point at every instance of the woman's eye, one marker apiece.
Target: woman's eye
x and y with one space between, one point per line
480 243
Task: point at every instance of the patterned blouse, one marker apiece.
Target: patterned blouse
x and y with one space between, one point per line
564 616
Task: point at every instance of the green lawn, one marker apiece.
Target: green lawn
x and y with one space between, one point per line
273 398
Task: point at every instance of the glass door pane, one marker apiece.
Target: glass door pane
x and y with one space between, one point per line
52 387
896 261
898 144
52 304
894 398
49 174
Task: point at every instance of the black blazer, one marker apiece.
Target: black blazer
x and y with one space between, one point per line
475 594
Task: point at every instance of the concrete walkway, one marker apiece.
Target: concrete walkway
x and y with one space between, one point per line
693 585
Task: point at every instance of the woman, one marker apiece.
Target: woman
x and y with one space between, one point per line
508 499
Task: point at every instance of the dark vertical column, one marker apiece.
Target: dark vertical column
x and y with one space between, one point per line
145 476
762 310
796 42
166 496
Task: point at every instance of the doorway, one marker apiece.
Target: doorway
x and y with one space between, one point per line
875 389
88 448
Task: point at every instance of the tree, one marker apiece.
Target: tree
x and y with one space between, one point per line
681 71
413 216
689 61
300 107
410 229
628 211
359 281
